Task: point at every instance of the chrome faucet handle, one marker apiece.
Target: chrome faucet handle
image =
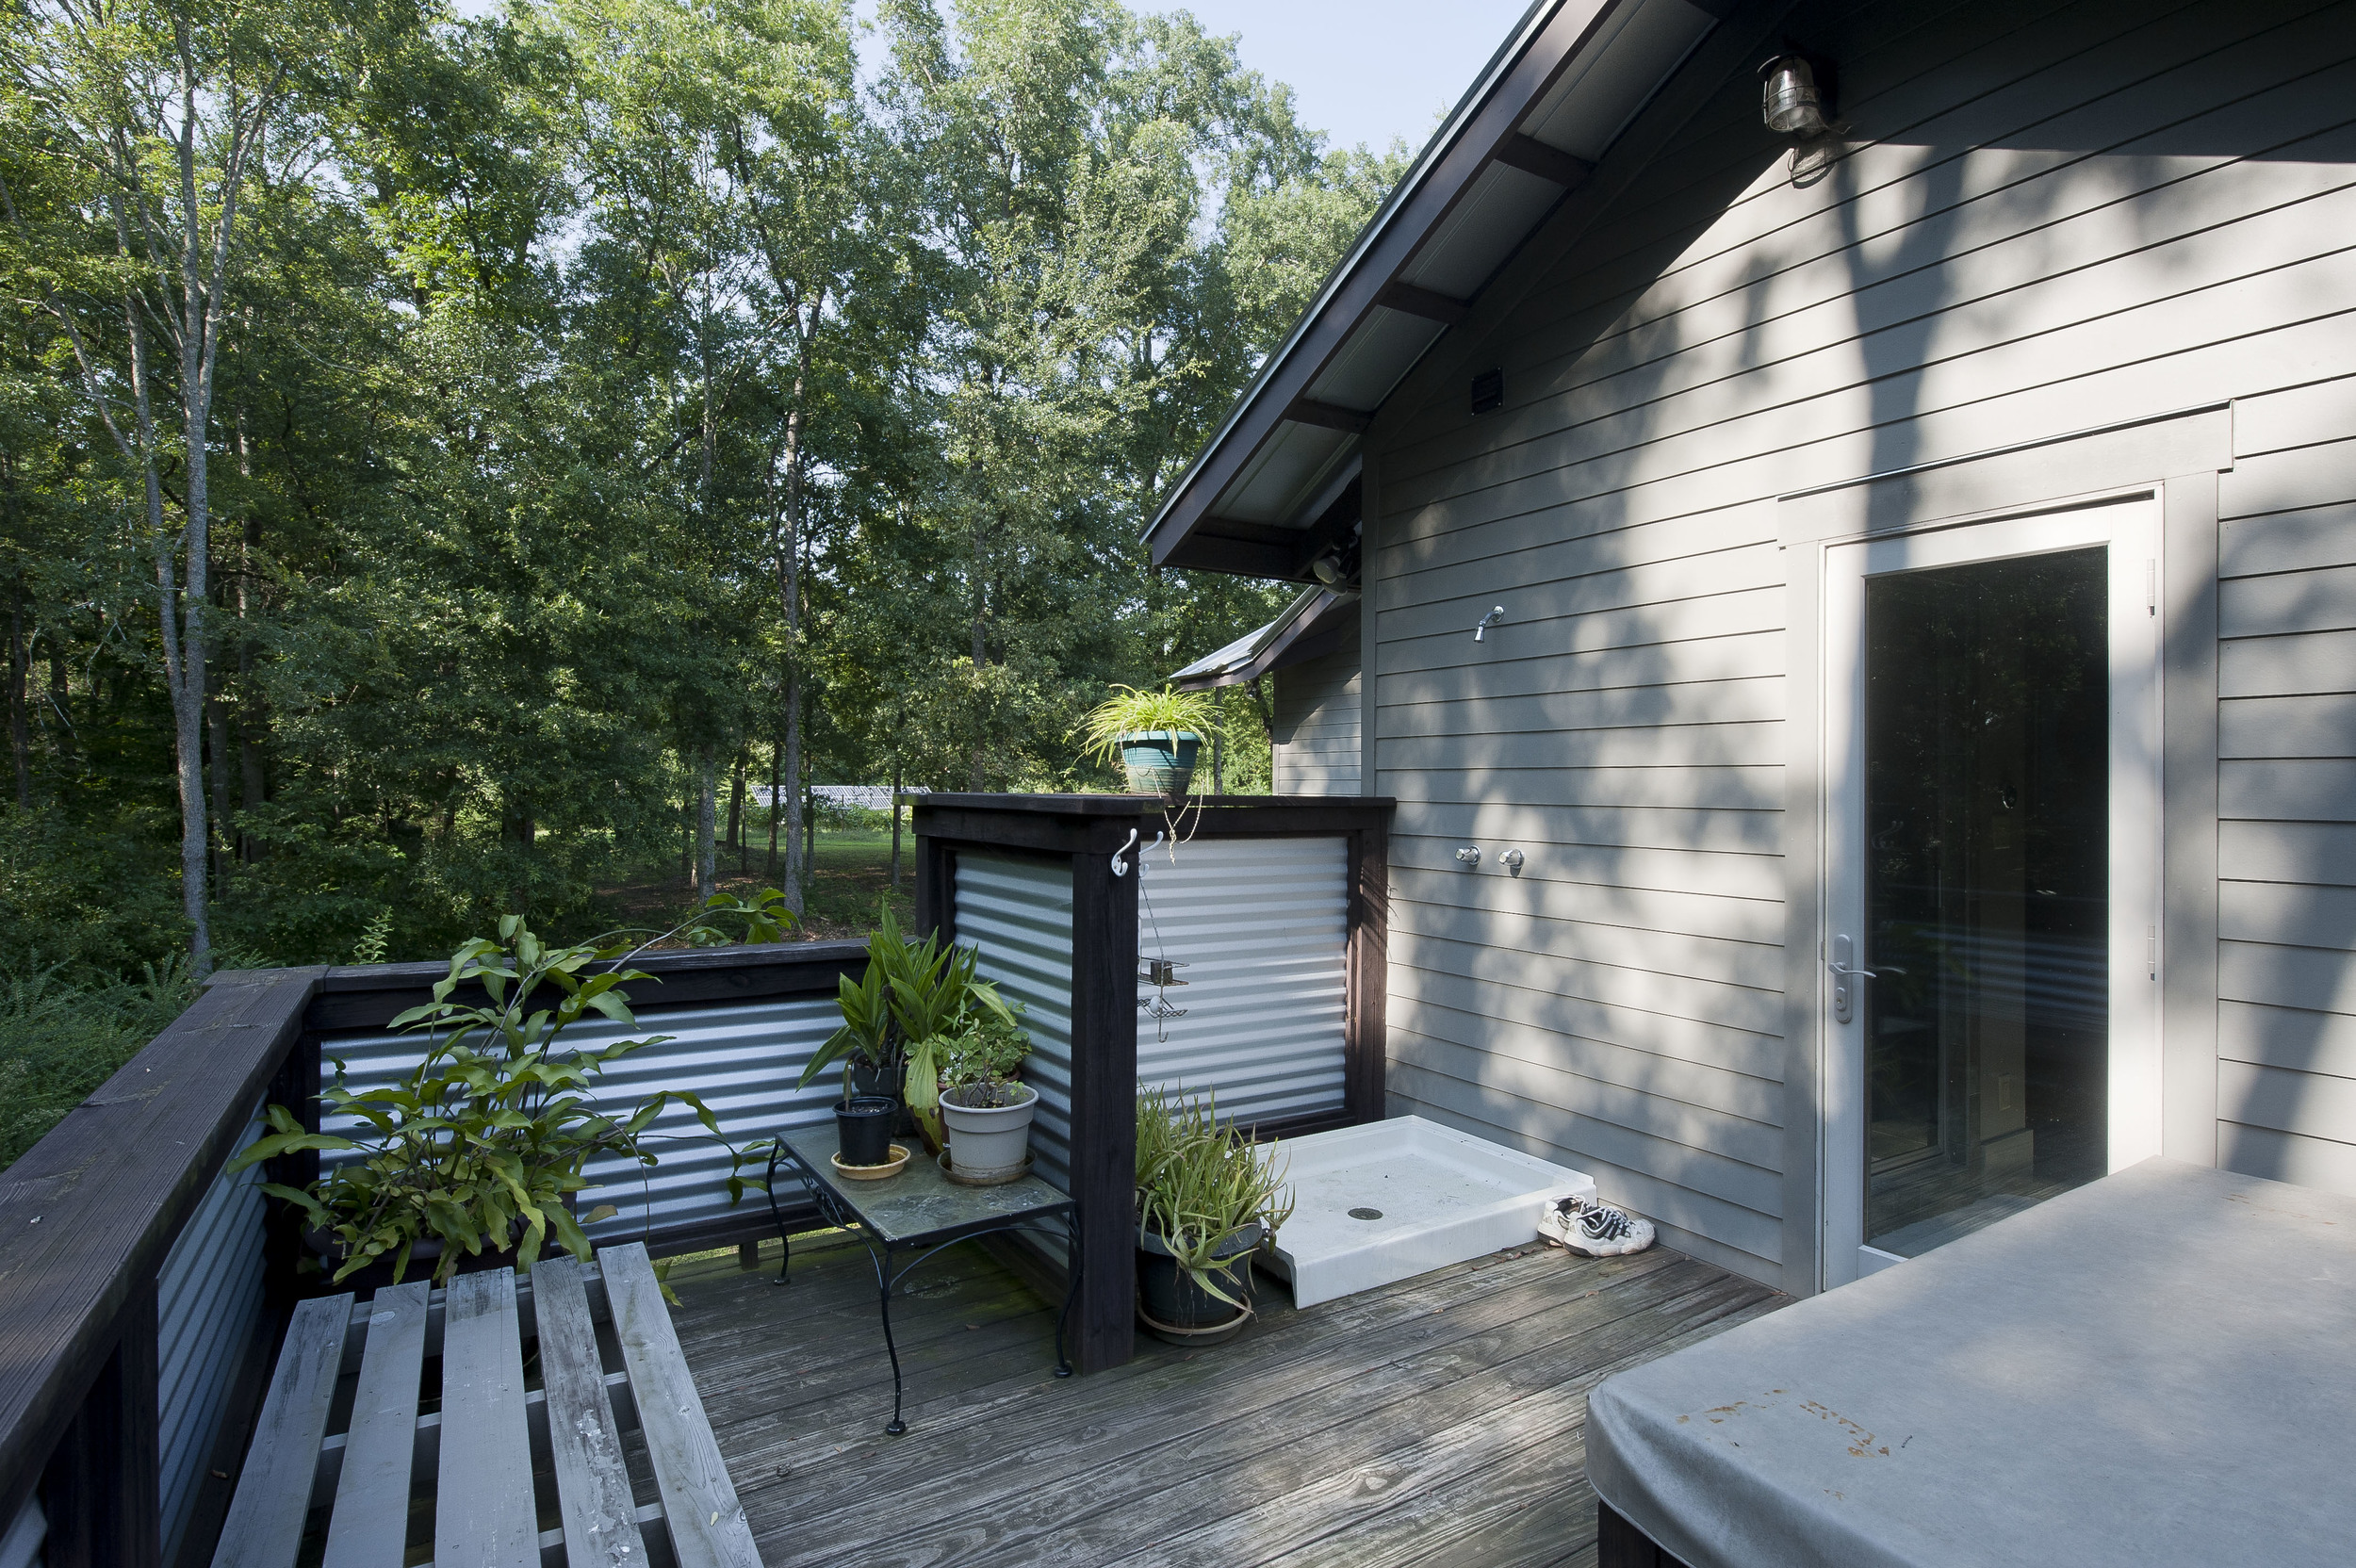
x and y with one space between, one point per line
1511 860
1469 854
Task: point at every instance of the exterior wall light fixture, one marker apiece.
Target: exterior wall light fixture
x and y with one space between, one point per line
1790 102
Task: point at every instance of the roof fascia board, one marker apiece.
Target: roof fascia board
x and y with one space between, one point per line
1731 49
1484 123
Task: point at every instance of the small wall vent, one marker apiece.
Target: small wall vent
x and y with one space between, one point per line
1488 391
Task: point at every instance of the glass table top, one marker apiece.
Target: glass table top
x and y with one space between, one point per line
920 1201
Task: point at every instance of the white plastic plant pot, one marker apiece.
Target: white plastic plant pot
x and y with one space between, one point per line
990 1142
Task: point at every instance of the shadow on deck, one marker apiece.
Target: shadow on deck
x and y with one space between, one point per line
1438 1421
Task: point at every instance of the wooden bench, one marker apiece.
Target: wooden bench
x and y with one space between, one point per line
495 1450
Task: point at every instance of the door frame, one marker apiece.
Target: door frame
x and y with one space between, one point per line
2127 525
1896 482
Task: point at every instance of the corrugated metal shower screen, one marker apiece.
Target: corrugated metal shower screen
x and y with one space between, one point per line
742 1060
1261 927
1017 909
208 1309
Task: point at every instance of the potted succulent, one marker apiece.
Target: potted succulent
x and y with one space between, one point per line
471 1161
1154 735
900 1020
986 1109
1208 1196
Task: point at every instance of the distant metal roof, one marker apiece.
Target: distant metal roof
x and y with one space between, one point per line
1265 495
1313 623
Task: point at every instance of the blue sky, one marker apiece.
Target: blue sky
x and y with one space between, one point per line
1364 70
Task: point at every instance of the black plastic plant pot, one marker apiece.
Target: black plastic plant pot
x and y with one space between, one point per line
1182 1312
863 1127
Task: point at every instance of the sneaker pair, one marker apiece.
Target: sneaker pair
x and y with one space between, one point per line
1593 1229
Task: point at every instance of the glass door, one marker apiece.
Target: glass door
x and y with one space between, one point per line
1992 837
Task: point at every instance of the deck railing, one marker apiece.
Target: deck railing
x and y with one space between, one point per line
143 1291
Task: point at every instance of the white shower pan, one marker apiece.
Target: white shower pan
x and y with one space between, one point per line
1438 1197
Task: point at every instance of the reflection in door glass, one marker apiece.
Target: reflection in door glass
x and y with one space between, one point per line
1987 783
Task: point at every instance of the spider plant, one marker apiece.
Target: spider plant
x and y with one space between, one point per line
1142 713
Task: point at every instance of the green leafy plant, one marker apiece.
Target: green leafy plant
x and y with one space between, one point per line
979 1066
374 936
900 1017
1144 713
1201 1185
480 1146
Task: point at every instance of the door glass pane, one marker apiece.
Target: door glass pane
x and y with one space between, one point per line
1987 785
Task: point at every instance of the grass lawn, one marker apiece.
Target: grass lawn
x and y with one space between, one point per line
849 881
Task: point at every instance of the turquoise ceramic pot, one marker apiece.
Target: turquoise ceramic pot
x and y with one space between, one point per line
1162 762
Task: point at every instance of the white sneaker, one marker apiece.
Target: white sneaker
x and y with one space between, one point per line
1593 1229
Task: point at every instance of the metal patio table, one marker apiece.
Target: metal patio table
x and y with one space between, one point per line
918 1212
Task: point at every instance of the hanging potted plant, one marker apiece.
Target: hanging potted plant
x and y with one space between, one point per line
1155 736
986 1110
472 1159
1208 1196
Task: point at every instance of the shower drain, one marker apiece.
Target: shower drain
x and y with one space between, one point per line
1366 1214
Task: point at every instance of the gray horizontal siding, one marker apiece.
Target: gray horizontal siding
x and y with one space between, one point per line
2286 905
1315 733
2049 219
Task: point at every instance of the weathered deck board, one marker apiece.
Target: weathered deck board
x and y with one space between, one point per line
1440 1420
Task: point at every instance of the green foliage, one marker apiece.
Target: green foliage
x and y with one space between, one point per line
369 949
482 1144
60 1041
1201 1185
606 389
904 1014
1148 713
979 1064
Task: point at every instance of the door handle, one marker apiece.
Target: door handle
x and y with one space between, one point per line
1844 976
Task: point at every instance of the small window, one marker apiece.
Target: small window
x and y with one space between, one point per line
1488 391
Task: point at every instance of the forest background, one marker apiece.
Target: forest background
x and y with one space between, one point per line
447 461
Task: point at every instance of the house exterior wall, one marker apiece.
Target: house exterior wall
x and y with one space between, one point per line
2047 221
1314 730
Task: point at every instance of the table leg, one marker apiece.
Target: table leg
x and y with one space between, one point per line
883 1293
1071 1289
785 1242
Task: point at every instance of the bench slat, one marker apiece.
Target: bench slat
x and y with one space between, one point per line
371 1518
707 1523
585 1441
274 1496
483 1513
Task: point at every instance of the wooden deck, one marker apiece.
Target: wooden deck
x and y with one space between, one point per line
1438 1422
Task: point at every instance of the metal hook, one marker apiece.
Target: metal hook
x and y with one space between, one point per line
1120 864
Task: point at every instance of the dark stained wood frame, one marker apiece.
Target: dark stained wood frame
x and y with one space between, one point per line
1621 1544
1090 830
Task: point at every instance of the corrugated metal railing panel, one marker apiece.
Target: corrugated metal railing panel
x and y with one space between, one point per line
1018 913
743 1062
208 1309
1263 927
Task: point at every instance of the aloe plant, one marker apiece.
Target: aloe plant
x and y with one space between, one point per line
1201 1185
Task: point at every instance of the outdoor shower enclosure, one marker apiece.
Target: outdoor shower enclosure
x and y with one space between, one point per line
1241 953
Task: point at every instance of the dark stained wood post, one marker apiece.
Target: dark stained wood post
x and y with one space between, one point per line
101 1488
1104 1105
